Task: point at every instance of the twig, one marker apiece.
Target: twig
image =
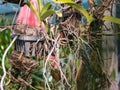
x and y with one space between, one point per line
3 63
83 41
46 61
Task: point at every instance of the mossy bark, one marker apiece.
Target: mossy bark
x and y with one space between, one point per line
99 71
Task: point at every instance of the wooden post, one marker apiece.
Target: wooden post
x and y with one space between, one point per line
109 51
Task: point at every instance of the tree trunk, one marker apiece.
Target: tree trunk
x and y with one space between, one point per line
99 71
109 51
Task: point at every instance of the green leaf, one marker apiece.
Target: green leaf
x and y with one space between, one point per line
111 19
48 13
32 7
113 74
40 5
82 28
37 77
77 7
44 12
58 13
63 1
45 8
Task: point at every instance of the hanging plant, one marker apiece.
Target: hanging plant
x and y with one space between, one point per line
44 11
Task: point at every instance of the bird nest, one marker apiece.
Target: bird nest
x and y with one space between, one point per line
22 63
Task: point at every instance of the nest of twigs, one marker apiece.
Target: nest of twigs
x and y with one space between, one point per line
22 63
71 23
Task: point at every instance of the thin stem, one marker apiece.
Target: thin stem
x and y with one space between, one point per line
46 61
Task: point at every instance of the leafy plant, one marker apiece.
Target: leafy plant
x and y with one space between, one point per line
44 11
111 19
90 18
80 8
75 59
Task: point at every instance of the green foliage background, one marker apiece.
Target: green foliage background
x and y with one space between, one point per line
5 39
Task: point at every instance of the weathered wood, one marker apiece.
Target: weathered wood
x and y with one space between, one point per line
109 51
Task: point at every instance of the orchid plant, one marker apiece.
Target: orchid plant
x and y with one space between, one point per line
44 11
72 66
90 18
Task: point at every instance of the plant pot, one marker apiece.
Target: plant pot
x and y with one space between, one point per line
28 42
